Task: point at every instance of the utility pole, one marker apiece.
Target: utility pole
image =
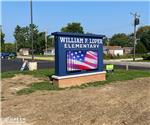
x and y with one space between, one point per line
136 22
46 40
31 15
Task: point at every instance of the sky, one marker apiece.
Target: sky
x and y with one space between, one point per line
99 17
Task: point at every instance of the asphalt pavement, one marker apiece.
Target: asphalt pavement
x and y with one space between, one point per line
15 65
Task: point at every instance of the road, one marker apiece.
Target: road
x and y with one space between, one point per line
129 63
15 65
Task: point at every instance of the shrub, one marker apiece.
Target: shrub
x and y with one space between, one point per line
146 57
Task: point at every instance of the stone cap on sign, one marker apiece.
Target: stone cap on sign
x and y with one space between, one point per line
77 35
78 75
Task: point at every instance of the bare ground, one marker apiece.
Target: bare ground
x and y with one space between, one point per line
120 103
11 85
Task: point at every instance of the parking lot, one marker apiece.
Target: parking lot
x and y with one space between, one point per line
15 64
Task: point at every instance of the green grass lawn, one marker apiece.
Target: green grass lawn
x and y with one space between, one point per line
117 75
38 55
38 86
36 73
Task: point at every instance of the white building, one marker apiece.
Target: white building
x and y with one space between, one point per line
113 50
128 50
49 51
24 51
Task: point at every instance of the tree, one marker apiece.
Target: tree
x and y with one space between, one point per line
10 47
73 28
140 48
50 41
145 39
36 35
121 39
2 41
23 38
142 30
40 43
143 44
106 41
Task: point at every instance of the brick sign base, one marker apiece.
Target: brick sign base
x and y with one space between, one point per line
74 80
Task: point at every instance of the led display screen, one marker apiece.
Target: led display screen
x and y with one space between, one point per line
82 60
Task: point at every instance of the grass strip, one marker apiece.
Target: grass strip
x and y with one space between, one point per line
117 75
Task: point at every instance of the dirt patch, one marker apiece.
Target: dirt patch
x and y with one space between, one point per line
120 103
11 85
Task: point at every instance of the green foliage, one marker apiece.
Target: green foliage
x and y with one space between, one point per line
35 73
39 73
2 41
117 75
142 30
145 39
106 42
40 43
50 41
9 74
38 86
140 48
10 47
143 44
121 75
23 38
73 27
25 91
146 57
120 39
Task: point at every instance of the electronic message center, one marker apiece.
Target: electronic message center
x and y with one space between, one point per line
77 56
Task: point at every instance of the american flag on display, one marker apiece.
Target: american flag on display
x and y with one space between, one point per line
81 60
